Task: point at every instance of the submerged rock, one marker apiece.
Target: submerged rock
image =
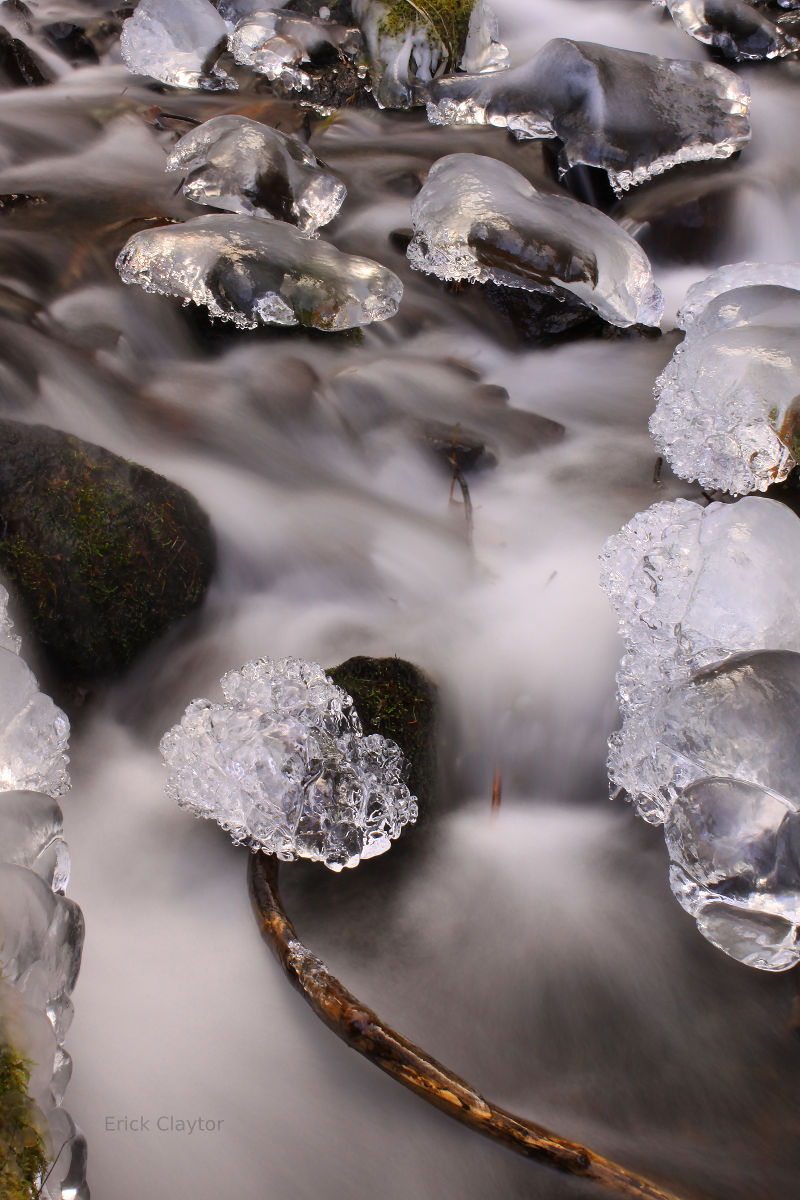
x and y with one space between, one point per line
104 554
477 219
177 42
584 95
256 272
279 44
728 403
395 699
246 167
409 45
283 766
737 29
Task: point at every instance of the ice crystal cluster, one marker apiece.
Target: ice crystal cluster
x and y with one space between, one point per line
405 56
709 690
478 219
727 404
41 932
278 45
243 166
734 28
33 731
584 94
252 272
284 767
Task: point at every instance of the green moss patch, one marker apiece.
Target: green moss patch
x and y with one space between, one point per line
394 698
449 20
102 554
23 1161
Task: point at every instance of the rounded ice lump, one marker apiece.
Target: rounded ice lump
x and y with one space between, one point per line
243 166
284 767
584 95
33 731
176 42
478 219
255 272
727 411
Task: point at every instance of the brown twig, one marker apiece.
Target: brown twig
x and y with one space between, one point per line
364 1031
497 788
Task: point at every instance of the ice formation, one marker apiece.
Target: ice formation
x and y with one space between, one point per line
478 219
584 94
709 690
177 42
41 932
277 44
405 59
727 403
246 167
284 767
250 271
735 28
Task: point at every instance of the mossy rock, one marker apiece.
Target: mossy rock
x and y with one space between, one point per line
394 698
23 1161
103 555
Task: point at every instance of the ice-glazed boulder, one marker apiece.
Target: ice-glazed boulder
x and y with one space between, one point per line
728 403
256 272
283 766
478 219
243 166
709 690
177 42
408 45
736 29
41 940
633 115
278 44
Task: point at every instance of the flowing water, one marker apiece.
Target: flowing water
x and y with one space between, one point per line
538 952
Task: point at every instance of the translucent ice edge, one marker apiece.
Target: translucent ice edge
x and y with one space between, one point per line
734 275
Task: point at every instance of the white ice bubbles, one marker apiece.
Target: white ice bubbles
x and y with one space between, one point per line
284 767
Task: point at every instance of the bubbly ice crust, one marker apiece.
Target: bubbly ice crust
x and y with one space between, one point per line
34 732
253 272
726 404
284 767
477 219
243 166
583 94
176 42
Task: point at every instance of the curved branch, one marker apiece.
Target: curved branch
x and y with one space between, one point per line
364 1031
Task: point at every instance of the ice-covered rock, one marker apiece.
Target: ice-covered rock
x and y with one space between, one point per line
585 94
736 29
245 167
727 403
8 639
478 219
256 272
283 766
177 42
691 587
408 45
33 732
278 44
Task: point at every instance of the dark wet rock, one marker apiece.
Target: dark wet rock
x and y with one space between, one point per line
102 554
20 66
397 700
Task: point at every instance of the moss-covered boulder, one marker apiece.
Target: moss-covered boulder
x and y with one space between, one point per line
394 698
102 555
23 1162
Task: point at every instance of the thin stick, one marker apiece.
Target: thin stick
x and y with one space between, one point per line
364 1031
497 788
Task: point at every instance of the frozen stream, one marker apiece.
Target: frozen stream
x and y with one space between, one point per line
538 953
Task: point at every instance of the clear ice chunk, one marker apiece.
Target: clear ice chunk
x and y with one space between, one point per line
283 766
478 219
255 272
278 44
728 403
31 832
8 639
404 56
734 28
691 587
584 95
33 732
243 166
734 853
177 42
